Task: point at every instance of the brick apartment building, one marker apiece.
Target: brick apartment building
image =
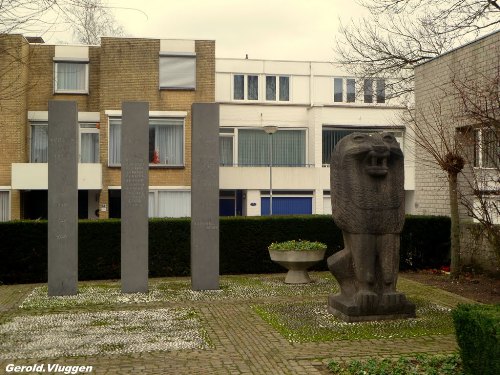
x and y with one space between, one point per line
311 104
169 74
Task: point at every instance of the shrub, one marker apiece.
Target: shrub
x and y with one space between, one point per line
478 334
243 245
299 245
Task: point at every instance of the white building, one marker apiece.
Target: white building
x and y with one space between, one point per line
313 104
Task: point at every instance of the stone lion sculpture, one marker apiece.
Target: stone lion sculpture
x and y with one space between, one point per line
367 191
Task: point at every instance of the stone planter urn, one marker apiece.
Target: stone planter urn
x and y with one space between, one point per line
297 257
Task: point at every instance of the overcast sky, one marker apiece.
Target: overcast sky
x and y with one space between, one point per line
263 29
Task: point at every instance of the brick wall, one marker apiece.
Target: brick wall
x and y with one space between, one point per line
121 69
437 104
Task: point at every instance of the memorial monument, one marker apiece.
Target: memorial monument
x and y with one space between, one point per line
367 188
62 200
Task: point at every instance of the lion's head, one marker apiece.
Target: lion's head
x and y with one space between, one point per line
367 183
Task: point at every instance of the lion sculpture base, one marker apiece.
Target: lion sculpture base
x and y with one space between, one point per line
367 185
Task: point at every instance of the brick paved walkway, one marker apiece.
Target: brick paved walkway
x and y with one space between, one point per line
242 344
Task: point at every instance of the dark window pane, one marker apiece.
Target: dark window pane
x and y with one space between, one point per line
271 88
380 91
351 90
253 87
329 139
337 90
284 89
368 90
239 87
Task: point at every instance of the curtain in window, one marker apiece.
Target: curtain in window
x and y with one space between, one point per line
151 204
490 148
253 87
174 203
4 205
338 89
178 71
330 139
380 91
226 150
271 88
39 143
239 87
89 148
351 90
253 147
284 89
169 141
115 133
368 90
289 147
71 76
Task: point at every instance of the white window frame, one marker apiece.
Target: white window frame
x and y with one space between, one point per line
478 147
233 137
85 90
9 203
94 130
184 55
277 93
114 115
236 161
246 87
80 131
156 190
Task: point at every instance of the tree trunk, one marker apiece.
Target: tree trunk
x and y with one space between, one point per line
455 227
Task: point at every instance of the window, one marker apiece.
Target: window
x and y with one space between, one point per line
253 87
368 90
487 148
178 72
289 147
239 87
226 150
380 91
71 77
89 143
338 94
39 142
166 141
351 90
169 203
4 206
331 136
252 84
283 88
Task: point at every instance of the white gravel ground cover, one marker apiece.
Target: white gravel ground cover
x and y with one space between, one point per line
176 290
110 332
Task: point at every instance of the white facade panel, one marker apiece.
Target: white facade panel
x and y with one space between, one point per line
223 87
34 176
287 68
71 52
177 45
323 90
300 90
361 116
232 178
256 116
239 66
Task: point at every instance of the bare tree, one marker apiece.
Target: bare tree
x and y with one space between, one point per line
458 128
90 20
435 133
399 34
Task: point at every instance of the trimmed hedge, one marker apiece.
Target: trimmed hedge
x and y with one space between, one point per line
243 245
477 329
